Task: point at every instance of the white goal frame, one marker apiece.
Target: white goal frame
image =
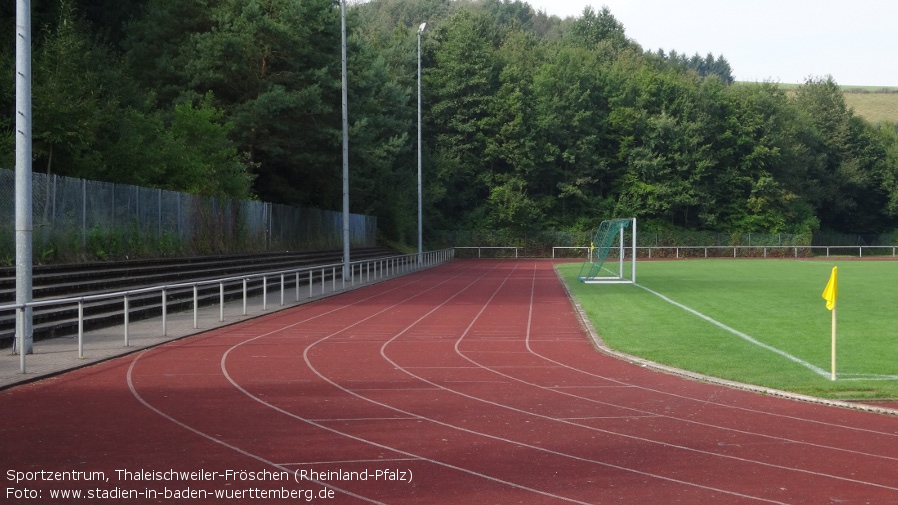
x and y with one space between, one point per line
622 253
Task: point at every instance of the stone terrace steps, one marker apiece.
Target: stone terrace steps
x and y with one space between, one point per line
66 281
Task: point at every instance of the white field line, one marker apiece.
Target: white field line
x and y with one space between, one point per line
743 336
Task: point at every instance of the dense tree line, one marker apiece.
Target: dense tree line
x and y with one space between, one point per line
530 121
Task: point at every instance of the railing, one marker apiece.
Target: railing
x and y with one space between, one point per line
364 270
766 251
568 248
750 251
481 248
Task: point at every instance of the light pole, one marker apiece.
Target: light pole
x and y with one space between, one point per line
420 243
345 141
23 210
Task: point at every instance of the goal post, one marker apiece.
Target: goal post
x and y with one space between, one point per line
608 256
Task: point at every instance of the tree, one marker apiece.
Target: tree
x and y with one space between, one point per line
849 173
380 149
72 100
592 30
211 164
461 81
273 67
574 153
92 121
889 134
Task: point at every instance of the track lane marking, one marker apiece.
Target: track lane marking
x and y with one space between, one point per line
202 434
524 444
351 393
750 461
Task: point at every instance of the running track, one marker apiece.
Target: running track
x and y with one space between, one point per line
474 380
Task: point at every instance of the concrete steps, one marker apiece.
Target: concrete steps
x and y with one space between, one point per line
67 281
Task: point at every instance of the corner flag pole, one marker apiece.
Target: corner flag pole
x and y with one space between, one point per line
830 293
833 373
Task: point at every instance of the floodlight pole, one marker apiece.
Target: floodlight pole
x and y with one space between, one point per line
24 227
346 270
420 241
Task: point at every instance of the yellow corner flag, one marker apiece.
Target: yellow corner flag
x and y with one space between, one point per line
830 293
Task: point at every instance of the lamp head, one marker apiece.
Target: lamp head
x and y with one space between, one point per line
422 27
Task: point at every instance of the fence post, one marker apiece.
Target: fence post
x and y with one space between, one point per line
81 328
84 214
196 308
20 336
221 301
164 314
127 320
159 214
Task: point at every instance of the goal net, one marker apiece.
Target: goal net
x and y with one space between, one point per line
609 261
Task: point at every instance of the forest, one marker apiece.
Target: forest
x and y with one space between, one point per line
530 122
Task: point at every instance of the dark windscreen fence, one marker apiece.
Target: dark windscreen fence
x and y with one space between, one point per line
76 219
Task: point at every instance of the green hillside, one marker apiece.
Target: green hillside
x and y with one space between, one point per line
874 105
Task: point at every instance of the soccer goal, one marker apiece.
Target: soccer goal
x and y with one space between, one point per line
608 258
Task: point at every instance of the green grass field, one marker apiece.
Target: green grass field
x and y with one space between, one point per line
777 303
872 106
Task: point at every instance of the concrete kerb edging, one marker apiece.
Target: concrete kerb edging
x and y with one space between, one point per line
76 364
602 347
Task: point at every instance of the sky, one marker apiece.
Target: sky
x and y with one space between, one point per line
785 41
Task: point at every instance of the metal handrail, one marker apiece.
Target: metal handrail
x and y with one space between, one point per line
763 248
383 267
479 248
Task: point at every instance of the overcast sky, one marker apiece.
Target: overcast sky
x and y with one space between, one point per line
777 40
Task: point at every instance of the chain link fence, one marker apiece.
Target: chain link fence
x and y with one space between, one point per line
76 220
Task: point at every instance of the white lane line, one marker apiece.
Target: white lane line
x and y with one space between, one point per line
743 336
222 442
354 394
234 448
665 444
519 443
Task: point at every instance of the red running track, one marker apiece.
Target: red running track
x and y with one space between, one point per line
472 382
